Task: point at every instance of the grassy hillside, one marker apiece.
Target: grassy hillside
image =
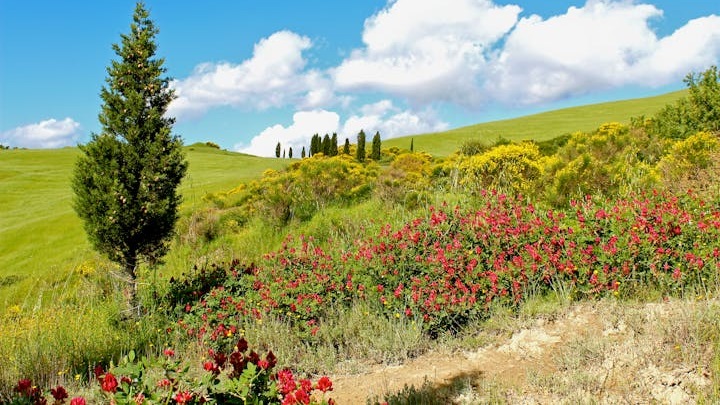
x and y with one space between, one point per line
41 238
539 127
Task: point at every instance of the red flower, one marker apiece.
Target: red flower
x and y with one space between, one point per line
306 385
289 400
139 399
263 364
109 383
302 397
23 386
59 393
242 345
78 401
164 383
183 397
324 384
169 352
211 367
287 381
98 371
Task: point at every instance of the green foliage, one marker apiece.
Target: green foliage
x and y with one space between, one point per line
306 187
360 153
277 150
473 147
376 147
126 178
612 160
692 164
698 111
407 180
346 147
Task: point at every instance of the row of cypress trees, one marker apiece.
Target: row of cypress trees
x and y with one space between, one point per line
328 146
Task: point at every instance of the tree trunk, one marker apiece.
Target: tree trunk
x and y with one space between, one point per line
133 305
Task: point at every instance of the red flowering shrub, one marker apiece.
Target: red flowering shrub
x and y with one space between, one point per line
453 264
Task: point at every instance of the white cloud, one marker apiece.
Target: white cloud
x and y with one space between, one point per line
296 135
391 122
427 50
273 77
602 45
49 133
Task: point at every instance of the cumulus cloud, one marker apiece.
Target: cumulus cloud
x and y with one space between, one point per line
296 135
602 45
49 133
427 50
391 122
274 76
471 52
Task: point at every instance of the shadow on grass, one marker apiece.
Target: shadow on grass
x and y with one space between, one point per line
430 393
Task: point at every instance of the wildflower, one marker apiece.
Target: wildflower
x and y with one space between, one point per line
324 384
286 380
211 367
306 385
139 398
109 383
183 397
23 386
78 401
59 393
164 383
302 396
169 352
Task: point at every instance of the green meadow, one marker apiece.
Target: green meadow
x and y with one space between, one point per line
41 237
538 127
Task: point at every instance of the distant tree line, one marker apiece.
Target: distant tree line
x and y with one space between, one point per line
328 146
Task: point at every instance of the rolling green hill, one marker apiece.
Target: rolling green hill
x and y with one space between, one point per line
539 127
41 238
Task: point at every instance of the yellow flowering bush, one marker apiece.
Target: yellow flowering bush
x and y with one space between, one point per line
510 169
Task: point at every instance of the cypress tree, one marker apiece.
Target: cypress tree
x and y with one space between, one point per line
277 150
412 147
346 147
302 154
376 147
290 153
360 153
326 145
125 179
333 145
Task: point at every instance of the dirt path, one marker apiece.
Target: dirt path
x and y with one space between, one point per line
537 351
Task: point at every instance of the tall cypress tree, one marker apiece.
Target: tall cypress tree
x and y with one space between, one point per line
125 179
360 153
302 154
333 145
376 147
326 145
278 148
412 145
346 147
290 152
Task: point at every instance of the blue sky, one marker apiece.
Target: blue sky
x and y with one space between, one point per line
249 74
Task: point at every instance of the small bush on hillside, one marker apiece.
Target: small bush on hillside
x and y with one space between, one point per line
510 169
406 180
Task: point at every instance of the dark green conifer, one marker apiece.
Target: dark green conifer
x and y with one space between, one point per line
125 179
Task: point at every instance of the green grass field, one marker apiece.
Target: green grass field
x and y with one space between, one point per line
538 127
41 237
